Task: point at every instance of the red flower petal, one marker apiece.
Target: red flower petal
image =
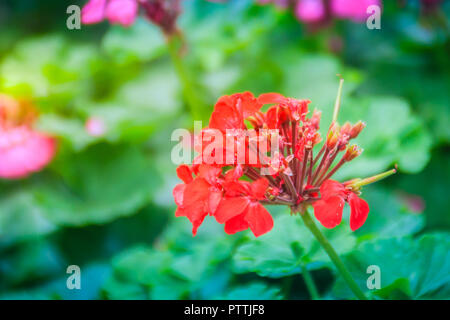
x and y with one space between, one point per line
259 219
213 202
331 188
195 201
196 223
226 117
276 116
178 193
259 188
230 111
248 103
359 211
180 212
230 207
272 97
236 224
184 173
209 173
329 211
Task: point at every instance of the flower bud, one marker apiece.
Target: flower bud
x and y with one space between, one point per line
332 138
346 128
356 129
352 152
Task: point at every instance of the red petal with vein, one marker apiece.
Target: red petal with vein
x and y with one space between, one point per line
331 188
195 201
230 207
359 211
236 188
214 200
259 219
236 224
259 188
249 103
226 117
184 173
209 173
329 212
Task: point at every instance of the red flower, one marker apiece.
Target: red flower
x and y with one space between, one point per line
329 209
240 208
289 174
198 196
231 111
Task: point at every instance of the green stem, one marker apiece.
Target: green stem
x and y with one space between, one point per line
310 285
310 224
194 103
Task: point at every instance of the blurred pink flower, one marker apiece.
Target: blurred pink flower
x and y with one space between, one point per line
310 10
95 127
23 151
122 12
352 9
313 11
93 12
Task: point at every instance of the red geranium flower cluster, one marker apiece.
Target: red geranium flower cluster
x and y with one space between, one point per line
234 188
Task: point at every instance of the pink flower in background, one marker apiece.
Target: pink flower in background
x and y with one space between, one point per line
313 11
310 10
23 150
95 127
122 12
93 12
352 9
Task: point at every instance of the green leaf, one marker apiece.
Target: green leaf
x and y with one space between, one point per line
253 291
271 255
143 41
48 67
21 217
415 268
393 135
389 216
98 185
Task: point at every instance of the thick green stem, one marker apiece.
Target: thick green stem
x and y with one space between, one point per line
310 224
310 285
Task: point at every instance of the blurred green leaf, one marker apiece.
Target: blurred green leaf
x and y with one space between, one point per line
271 255
21 217
393 135
415 268
99 185
48 68
142 41
253 291
389 216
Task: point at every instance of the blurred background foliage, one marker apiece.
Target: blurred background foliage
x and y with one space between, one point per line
105 203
